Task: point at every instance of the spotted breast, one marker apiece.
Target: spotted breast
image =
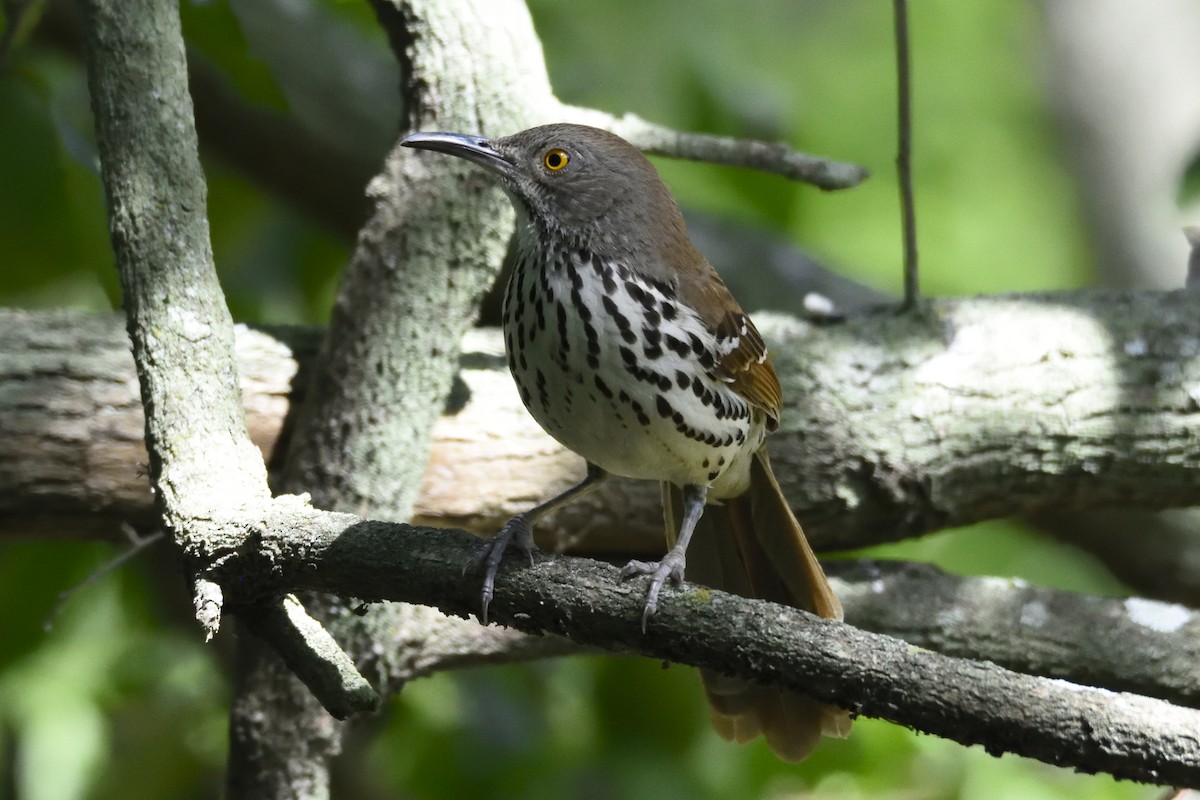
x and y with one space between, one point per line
614 367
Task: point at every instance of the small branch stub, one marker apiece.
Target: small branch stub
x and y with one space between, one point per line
312 654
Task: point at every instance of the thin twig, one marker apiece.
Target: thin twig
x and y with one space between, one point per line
136 545
14 12
912 288
773 157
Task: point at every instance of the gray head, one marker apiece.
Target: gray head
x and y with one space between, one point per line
583 183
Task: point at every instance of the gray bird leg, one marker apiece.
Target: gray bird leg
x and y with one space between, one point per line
673 562
518 532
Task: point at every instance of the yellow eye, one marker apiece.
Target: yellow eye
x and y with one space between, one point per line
555 159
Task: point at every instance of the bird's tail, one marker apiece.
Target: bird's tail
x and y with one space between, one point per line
752 545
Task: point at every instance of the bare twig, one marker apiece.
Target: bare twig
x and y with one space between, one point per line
773 157
136 545
912 287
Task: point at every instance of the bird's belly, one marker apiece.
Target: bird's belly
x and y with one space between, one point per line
627 395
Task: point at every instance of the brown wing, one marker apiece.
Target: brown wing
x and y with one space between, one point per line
741 359
747 366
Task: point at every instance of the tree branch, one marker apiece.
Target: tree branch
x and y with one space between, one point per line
206 472
201 460
982 618
297 638
971 702
776 158
1126 644
977 409
425 258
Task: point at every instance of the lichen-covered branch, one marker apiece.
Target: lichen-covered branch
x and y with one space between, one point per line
202 463
1127 644
206 472
432 247
1026 629
413 285
986 407
973 702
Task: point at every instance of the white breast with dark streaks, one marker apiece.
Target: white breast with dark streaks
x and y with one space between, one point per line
614 369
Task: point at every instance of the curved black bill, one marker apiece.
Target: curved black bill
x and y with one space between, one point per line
477 149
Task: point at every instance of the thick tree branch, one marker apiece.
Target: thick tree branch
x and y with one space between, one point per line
985 407
202 463
206 472
978 617
971 702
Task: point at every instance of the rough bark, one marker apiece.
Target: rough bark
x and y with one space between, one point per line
206 473
895 427
974 702
1126 644
384 372
1129 127
201 461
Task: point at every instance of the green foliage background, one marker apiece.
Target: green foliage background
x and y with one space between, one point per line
120 699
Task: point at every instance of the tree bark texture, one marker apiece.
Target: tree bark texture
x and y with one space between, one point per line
894 426
973 702
201 462
414 284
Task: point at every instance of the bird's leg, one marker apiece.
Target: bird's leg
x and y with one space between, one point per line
673 562
518 532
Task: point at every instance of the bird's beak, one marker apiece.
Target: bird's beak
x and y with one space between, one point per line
477 149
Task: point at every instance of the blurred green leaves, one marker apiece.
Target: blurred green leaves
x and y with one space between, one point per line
996 209
109 701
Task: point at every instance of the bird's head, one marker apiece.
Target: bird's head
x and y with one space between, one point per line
573 179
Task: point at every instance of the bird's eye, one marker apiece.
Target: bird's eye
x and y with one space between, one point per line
555 159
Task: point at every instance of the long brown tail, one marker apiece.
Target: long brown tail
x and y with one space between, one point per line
753 546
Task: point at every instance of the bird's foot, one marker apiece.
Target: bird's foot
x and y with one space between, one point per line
670 568
517 532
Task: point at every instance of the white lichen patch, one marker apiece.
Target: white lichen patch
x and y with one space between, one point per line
1034 614
1156 615
192 327
1136 347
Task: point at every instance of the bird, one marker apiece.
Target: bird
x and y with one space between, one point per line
628 348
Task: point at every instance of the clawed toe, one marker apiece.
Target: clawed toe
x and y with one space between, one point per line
670 568
516 532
